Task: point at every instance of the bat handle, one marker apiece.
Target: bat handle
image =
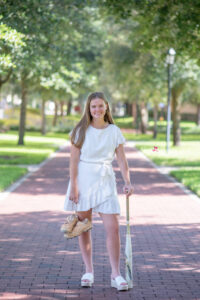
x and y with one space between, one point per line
127 214
127 208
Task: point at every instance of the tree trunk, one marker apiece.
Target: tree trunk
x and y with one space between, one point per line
22 123
176 116
134 113
198 115
0 93
43 127
6 78
69 107
138 118
176 105
128 109
144 117
55 114
61 108
155 117
113 108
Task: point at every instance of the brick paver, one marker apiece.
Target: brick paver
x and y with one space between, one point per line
36 262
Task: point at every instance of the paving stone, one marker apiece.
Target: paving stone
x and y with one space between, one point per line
36 262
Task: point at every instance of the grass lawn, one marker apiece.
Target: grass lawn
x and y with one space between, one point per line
186 156
36 148
189 177
124 122
10 174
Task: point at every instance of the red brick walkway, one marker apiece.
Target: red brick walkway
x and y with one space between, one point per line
36 262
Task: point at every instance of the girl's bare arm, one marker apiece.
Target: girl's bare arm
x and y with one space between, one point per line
74 160
123 165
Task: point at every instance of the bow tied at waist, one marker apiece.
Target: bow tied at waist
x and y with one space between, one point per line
106 174
106 170
106 178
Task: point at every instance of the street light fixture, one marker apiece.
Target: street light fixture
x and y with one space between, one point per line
170 61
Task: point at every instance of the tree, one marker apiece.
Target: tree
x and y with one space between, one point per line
34 20
192 95
52 40
184 74
161 24
157 26
11 42
133 77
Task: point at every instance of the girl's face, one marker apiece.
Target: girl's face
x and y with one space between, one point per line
98 109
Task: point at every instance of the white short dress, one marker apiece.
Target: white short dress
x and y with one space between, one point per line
96 178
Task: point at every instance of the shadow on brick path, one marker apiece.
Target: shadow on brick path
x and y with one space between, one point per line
36 262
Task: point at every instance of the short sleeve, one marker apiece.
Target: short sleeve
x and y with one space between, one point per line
119 137
77 135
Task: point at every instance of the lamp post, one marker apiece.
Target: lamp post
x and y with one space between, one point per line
170 61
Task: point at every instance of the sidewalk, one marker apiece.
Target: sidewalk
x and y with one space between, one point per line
36 262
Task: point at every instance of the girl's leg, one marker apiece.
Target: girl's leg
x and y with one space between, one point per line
111 225
85 242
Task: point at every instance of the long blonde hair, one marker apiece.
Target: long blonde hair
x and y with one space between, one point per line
83 124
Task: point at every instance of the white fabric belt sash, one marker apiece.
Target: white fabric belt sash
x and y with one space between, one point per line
106 170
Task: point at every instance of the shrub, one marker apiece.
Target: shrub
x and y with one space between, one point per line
1 125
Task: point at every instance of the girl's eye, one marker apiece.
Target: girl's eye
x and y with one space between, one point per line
94 106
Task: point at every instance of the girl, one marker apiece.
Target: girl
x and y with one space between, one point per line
92 185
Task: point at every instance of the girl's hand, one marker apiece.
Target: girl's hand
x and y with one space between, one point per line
128 189
73 196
